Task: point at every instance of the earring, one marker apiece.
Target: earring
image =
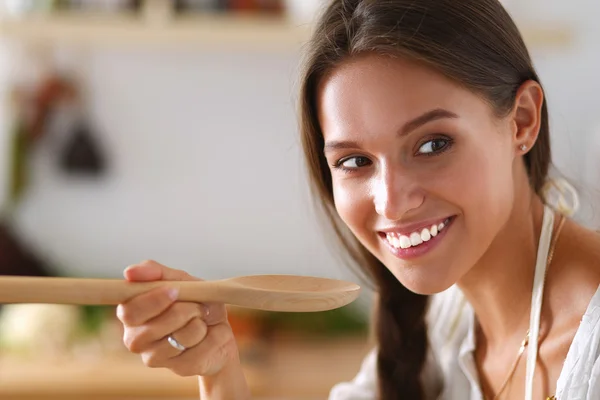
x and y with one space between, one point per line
523 147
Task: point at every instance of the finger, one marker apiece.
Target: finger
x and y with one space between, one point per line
208 356
152 271
162 351
146 306
189 336
141 338
214 313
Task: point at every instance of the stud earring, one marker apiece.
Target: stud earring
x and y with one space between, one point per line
523 147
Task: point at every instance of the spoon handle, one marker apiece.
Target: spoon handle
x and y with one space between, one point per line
83 291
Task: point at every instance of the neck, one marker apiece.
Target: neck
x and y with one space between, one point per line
499 286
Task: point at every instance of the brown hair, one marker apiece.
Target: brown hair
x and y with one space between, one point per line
473 42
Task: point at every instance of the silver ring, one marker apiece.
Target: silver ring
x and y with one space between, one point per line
175 344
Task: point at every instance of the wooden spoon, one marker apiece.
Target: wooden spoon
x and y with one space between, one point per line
262 292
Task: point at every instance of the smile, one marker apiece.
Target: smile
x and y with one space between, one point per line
416 238
417 243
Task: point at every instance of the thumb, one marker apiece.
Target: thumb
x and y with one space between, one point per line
149 270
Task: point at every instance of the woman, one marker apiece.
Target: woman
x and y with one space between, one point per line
426 134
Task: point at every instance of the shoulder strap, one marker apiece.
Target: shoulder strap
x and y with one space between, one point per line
536 299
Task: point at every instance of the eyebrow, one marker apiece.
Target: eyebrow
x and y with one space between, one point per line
429 116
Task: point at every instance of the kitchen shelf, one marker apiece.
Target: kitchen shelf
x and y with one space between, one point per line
240 30
219 30
551 36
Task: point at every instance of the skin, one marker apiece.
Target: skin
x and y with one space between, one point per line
211 354
477 176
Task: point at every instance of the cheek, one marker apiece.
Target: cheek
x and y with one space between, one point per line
492 189
354 206
483 188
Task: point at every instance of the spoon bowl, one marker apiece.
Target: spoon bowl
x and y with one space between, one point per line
292 283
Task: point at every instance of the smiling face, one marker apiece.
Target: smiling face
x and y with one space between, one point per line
423 171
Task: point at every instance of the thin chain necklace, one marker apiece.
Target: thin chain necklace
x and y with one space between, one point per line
525 341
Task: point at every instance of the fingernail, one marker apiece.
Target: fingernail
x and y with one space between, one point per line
205 311
173 293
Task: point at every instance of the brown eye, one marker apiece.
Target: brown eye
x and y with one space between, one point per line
434 146
355 162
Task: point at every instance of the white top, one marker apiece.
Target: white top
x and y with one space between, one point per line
452 342
450 372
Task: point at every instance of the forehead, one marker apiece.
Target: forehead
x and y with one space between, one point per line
376 93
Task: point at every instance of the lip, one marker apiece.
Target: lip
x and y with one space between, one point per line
423 248
416 227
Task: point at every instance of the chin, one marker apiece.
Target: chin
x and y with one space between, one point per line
419 281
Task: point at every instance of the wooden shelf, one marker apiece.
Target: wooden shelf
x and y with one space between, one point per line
218 30
555 36
242 31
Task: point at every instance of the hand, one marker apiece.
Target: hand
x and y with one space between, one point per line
151 317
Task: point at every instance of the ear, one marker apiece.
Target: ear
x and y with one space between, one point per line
527 116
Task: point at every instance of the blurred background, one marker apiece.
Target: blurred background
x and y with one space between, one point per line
166 130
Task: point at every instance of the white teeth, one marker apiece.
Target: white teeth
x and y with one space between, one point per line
415 239
433 230
404 242
425 235
393 239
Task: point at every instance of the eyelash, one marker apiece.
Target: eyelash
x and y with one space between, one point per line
339 164
449 143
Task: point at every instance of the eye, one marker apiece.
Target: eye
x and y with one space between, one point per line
352 163
434 146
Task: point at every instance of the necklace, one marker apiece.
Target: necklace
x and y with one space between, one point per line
525 341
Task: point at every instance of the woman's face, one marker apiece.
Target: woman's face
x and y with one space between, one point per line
423 171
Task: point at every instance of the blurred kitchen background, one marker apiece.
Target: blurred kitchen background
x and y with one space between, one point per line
166 130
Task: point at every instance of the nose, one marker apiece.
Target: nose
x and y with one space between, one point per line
395 194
